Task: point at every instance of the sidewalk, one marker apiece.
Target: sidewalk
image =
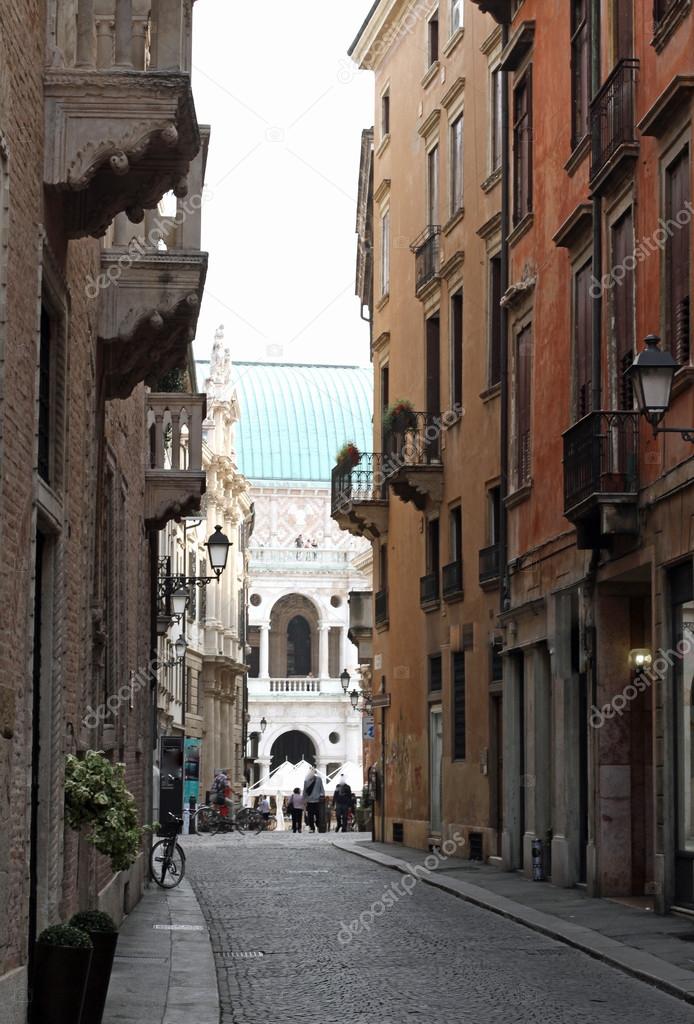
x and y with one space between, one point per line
164 976
653 948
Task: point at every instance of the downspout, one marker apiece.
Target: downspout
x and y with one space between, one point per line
504 592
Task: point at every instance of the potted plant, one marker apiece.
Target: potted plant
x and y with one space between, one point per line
102 930
61 969
400 416
98 803
348 456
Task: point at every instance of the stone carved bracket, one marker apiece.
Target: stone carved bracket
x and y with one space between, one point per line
116 141
421 485
171 495
147 314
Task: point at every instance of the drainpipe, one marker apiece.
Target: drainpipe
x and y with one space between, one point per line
504 595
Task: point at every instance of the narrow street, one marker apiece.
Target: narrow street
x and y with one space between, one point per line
429 956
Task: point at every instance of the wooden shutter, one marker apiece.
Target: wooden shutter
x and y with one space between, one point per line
457 347
495 320
523 410
678 258
433 366
583 356
459 730
522 148
623 309
435 673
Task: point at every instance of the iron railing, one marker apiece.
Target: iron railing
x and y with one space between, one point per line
426 256
364 482
612 115
489 563
601 456
412 439
429 589
452 579
381 607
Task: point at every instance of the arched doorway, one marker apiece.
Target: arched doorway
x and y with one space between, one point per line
298 647
292 746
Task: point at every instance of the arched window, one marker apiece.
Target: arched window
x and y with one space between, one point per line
298 647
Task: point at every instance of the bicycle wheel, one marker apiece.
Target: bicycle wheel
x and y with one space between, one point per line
202 819
167 868
245 819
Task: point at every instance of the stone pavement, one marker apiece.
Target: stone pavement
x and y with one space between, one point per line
303 930
163 976
656 949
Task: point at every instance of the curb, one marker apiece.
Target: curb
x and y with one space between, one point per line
642 966
192 963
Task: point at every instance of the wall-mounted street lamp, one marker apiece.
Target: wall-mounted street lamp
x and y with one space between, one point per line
263 725
367 701
218 549
344 680
180 646
175 589
354 699
640 659
651 375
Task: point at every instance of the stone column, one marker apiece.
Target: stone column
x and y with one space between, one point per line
167 35
124 33
264 669
323 651
86 34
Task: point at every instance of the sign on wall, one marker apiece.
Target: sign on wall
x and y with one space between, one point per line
369 727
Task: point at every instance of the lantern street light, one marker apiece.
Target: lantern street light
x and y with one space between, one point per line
180 647
179 600
354 699
651 375
218 548
344 680
263 724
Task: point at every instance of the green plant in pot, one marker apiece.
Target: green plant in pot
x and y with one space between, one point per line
61 969
102 930
400 416
348 456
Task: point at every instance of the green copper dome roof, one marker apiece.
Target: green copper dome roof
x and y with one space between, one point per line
294 417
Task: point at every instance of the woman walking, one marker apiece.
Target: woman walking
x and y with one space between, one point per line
296 804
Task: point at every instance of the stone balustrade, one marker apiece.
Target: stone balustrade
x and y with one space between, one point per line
174 479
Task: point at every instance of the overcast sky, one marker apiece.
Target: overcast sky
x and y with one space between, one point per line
287 109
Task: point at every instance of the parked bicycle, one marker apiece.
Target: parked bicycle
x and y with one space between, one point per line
208 818
167 861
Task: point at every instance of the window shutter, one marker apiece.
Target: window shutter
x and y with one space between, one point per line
523 398
459 730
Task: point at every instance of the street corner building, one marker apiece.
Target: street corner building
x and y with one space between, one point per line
99 297
536 681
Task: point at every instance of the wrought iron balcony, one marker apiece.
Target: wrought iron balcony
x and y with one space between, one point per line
426 255
359 497
412 459
150 296
381 608
612 124
174 479
601 476
452 578
429 591
489 564
121 129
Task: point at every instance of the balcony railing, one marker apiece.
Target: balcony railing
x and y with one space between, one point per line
295 685
381 607
426 256
120 121
612 117
489 563
299 559
601 457
175 479
361 483
452 578
413 440
429 590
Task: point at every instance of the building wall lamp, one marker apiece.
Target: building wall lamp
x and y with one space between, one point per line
176 589
651 375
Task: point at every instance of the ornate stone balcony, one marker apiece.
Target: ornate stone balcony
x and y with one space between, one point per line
413 466
174 479
121 129
151 288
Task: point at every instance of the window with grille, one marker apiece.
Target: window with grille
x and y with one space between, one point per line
580 70
678 257
522 148
435 673
458 693
523 389
583 334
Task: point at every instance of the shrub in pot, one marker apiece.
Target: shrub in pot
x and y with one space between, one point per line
61 968
102 930
348 456
400 416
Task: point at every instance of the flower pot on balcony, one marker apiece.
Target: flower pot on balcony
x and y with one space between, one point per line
61 969
400 417
348 457
104 935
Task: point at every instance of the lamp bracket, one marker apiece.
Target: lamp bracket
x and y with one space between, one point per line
686 433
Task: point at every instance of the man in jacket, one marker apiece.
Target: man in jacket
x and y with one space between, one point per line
314 794
342 801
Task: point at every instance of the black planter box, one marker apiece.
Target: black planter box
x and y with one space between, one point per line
99 976
59 984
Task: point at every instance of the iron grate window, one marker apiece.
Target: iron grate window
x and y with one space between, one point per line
459 725
476 841
435 673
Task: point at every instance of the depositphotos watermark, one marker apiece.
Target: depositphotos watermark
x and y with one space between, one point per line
397 890
125 695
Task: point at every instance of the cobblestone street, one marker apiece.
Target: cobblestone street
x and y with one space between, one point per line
429 956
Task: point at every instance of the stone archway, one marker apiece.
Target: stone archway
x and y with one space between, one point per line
294 637
292 746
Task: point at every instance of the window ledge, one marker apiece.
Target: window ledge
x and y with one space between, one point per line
580 152
382 302
493 391
518 496
491 180
668 25
454 219
521 228
383 145
430 75
684 379
453 42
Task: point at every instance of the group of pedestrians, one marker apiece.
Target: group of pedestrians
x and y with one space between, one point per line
307 802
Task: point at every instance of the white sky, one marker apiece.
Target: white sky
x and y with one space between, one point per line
287 108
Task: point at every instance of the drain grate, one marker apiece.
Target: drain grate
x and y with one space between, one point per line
243 954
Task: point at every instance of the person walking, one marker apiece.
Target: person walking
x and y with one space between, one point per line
264 809
314 794
342 801
296 805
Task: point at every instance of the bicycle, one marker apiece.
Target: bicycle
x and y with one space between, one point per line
209 818
268 824
167 861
